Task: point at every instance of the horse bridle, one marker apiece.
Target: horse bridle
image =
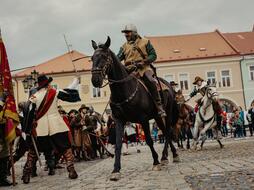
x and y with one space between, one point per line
210 97
103 71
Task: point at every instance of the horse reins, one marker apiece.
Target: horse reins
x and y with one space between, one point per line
210 98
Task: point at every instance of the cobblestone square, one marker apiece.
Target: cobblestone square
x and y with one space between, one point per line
213 168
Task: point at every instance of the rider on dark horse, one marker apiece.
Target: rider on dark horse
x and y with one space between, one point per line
138 52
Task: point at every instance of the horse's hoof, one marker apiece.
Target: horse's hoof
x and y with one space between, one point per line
156 167
176 159
194 147
222 146
164 162
115 176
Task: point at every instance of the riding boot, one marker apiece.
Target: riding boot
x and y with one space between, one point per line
27 171
3 172
70 163
50 162
151 84
161 111
51 166
159 105
34 170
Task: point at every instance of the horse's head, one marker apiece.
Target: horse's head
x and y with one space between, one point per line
101 62
212 93
179 97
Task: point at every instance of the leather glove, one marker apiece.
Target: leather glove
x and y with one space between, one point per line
131 68
139 65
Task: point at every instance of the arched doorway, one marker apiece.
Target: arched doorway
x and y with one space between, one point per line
227 105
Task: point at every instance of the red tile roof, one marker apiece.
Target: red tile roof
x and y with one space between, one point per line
168 48
190 46
60 64
243 41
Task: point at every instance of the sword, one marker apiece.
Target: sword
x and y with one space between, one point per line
36 151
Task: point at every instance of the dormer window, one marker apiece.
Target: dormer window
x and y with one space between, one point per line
202 49
176 51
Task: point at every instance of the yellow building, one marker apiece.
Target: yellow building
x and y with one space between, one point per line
180 58
208 55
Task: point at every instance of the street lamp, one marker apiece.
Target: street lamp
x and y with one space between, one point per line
30 81
34 75
25 84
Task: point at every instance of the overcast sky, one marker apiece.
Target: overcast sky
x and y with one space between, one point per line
33 29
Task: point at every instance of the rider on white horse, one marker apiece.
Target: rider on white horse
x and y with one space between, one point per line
201 87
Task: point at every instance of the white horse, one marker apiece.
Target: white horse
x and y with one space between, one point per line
206 118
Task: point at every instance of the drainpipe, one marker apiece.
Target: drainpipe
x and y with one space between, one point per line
17 99
244 100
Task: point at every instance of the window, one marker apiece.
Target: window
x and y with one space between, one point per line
183 78
211 77
169 78
252 72
96 92
225 78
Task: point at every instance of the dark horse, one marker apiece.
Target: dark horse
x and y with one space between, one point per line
130 101
185 121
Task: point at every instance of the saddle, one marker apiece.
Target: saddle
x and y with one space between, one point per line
160 86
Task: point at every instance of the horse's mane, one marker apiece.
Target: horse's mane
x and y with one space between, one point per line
115 59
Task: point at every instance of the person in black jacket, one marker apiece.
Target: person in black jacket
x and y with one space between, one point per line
251 118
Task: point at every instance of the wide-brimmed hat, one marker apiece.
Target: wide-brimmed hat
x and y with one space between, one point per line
43 81
83 106
173 83
197 78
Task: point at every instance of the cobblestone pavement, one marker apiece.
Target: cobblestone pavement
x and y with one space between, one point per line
213 168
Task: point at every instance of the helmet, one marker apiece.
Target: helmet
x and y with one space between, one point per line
130 28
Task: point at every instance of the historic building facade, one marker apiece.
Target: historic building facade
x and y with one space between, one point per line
211 56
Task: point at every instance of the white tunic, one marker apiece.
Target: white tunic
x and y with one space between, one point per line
51 123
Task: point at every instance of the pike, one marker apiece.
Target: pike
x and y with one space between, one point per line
99 138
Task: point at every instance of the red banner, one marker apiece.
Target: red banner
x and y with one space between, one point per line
6 89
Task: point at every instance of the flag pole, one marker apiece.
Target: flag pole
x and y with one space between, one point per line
70 54
12 166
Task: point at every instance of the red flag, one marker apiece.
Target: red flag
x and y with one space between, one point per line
10 113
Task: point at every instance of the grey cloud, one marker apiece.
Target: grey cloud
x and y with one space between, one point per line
33 30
